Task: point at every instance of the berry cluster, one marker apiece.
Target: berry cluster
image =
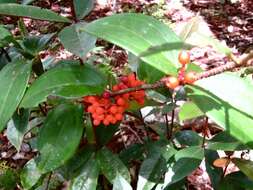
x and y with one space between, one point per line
183 78
108 109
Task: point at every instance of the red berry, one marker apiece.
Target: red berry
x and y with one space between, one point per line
99 110
190 78
121 102
124 79
106 94
172 82
91 109
96 122
106 122
119 116
121 109
113 109
184 57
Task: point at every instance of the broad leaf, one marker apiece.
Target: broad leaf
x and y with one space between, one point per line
246 166
187 160
121 184
189 138
14 78
83 7
30 174
4 36
227 105
137 33
17 127
87 180
224 141
73 166
13 9
69 81
34 44
76 41
60 135
189 110
153 167
111 165
213 172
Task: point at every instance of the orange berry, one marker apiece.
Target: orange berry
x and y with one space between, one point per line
99 110
125 96
141 101
115 88
184 57
114 121
124 79
113 109
131 77
121 101
172 82
96 122
110 118
190 78
119 116
91 99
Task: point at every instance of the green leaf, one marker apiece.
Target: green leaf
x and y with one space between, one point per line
246 166
111 165
13 9
133 152
60 135
105 133
77 41
17 127
189 138
69 81
187 160
30 174
189 110
34 44
227 105
8 179
213 172
14 78
87 180
73 166
151 171
27 2
136 33
4 36
83 7
224 141
121 184
236 181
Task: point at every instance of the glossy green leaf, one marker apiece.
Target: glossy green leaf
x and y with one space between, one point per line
189 110
60 136
17 127
14 78
246 166
214 173
30 174
105 133
227 105
224 141
77 41
34 44
73 166
121 184
8 179
4 35
87 180
133 152
136 33
27 2
8 1
111 166
13 9
83 7
71 81
187 160
236 181
189 138
154 166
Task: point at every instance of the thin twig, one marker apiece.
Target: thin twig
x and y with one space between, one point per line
48 181
205 126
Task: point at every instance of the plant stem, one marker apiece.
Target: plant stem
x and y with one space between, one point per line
204 131
48 181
